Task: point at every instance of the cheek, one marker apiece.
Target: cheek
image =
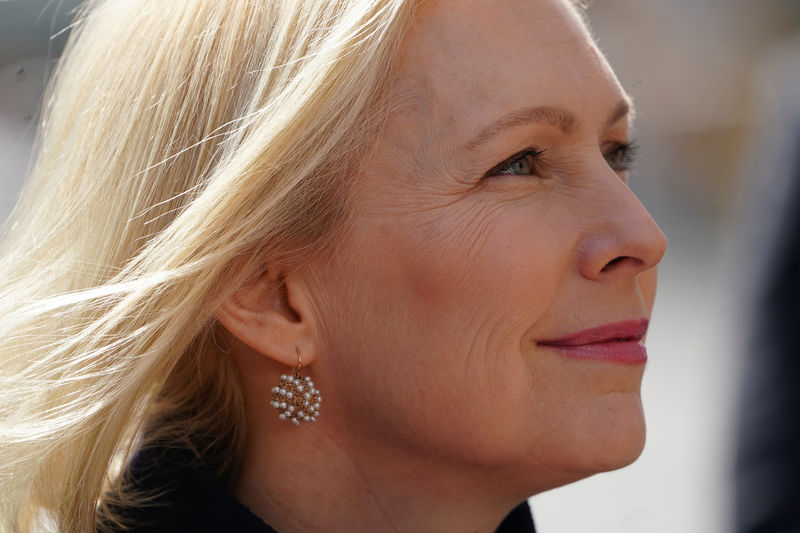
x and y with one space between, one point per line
432 318
481 262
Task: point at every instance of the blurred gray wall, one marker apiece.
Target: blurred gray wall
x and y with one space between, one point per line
32 35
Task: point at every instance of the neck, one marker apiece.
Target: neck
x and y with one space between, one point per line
310 478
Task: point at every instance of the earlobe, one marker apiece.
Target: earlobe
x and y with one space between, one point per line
260 314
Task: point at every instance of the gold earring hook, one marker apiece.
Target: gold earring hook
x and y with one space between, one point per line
299 362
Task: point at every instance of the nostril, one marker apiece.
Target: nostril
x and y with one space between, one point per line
613 262
623 260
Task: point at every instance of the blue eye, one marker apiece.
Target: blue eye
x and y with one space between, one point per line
521 164
622 157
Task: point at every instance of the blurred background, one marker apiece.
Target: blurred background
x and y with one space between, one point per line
712 81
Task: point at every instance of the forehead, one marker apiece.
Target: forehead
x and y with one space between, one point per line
465 62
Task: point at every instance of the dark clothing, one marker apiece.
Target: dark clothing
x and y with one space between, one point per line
192 501
768 451
767 475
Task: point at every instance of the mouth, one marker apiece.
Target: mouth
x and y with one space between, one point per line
619 342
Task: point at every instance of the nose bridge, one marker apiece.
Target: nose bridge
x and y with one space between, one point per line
622 237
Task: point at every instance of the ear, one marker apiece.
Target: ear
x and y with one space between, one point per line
271 314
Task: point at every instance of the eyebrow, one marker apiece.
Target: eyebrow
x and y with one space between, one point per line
564 120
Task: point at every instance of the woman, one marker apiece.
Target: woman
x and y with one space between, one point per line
422 206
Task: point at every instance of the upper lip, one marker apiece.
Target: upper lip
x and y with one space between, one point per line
625 331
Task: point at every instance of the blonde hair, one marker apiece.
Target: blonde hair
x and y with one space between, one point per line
182 143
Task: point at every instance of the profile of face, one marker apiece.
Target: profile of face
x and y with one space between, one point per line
492 218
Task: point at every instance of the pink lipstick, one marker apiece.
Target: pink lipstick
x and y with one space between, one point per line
620 342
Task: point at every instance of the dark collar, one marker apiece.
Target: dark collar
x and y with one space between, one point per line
190 500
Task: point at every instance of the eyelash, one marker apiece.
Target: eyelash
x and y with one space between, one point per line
504 168
627 154
621 159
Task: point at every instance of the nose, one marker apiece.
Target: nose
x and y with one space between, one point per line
622 239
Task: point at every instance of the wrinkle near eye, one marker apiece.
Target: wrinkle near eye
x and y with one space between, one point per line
460 230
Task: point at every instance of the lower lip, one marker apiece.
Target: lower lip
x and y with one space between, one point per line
622 352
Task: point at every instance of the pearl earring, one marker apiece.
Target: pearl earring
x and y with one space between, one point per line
296 399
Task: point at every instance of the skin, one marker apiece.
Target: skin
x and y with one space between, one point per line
441 411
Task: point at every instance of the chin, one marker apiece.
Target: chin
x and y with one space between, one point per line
617 437
621 452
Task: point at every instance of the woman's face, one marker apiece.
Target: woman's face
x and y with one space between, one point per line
493 215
